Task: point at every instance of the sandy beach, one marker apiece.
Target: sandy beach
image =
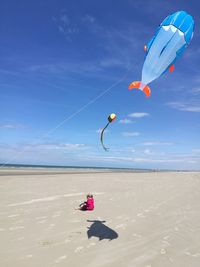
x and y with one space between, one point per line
147 219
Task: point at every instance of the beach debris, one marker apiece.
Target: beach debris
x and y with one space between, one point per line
111 118
165 47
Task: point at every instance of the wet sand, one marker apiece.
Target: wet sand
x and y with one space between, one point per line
140 219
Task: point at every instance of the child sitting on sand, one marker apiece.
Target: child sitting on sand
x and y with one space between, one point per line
89 204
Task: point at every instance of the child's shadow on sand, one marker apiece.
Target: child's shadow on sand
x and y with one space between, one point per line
100 230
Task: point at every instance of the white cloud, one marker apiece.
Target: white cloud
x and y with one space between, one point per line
192 161
196 150
11 126
43 147
133 115
125 121
64 19
196 90
157 143
88 19
110 62
140 160
65 26
85 68
60 146
148 152
138 114
190 107
130 134
147 160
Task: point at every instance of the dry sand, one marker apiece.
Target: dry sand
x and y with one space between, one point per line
140 219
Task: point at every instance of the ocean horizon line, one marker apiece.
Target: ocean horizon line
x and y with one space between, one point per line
18 165
44 166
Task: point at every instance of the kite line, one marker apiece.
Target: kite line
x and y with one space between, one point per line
67 119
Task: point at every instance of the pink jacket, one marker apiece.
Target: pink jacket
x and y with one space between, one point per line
90 204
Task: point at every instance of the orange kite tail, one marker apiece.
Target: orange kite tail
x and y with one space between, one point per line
142 87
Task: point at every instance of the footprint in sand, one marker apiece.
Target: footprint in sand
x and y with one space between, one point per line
27 256
163 251
141 215
43 221
20 238
16 228
78 249
166 237
166 243
192 254
55 215
91 245
137 235
19 221
51 226
13 215
60 259
67 241
41 217
152 208
73 234
75 221
123 226
45 243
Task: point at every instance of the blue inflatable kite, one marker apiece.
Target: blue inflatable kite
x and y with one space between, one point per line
169 42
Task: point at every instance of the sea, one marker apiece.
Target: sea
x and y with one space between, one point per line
75 168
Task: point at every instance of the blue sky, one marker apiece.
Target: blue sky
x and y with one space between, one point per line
66 65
